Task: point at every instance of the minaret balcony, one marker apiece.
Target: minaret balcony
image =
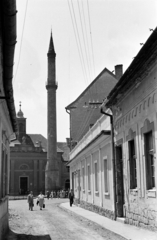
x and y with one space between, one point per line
51 85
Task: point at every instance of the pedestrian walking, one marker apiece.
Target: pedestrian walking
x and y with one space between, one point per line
71 197
48 195
58 194
41 201
30 201
52 195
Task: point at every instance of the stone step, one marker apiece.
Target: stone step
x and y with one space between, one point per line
120 219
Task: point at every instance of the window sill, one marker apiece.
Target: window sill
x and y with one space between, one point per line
134 190
106 193
96 192
89 191
83 190
151 193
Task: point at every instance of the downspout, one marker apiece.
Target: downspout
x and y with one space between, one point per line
69 127
113 161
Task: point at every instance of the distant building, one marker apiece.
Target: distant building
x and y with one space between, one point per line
91 166
28 161
84 111
8 124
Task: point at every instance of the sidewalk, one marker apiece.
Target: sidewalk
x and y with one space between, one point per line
125 230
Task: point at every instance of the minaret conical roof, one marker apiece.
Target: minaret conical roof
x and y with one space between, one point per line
51 46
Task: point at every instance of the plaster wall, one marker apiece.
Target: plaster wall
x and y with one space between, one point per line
91 198
138 108
82 116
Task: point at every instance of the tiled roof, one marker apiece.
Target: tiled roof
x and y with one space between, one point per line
139 65
105 89
40 138
65 149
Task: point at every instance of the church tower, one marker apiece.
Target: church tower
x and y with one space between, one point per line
52 170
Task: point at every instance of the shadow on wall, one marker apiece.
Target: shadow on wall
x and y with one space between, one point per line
18 236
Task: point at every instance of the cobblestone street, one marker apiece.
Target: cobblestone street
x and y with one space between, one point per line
52 222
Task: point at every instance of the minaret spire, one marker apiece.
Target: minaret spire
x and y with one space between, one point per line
51 49
52 170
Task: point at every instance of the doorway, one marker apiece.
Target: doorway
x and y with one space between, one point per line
79 187
23 185
119 181
67 184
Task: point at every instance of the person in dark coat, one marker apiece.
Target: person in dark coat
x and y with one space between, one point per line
30 201
48 195
71 197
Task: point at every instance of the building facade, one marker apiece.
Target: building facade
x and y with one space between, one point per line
84 111
91 166
134 105
91 173
28 156
8 124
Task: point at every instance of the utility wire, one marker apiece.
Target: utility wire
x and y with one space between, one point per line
91 36
84 39
78 38
21 41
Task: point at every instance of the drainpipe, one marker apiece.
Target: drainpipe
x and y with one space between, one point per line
113 161
69 128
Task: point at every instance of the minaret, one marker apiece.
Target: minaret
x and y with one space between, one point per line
52 170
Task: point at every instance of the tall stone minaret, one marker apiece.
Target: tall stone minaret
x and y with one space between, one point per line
52 170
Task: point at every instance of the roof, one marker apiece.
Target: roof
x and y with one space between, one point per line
40 138
139 65
8 9
66 150
103 71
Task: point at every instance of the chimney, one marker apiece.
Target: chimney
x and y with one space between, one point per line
118 71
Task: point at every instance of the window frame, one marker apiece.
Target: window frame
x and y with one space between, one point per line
106 177
96 176
146 129
89 176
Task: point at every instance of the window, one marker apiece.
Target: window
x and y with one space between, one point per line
89 184
105 176
132 164
4 173
149 160
75 180
83 178
96 176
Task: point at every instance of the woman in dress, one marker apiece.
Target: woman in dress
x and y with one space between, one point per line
41 200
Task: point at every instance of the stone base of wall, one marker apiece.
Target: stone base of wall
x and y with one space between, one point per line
141 217
93 208
4 227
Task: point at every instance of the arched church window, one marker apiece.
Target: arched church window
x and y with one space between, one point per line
24 167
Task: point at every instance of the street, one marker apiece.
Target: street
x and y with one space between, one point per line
51 223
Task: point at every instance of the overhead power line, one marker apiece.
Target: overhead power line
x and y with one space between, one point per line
91 36
78 38
21 41
89 71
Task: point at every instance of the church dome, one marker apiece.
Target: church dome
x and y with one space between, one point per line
20 113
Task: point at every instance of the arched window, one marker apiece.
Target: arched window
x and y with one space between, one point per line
24 167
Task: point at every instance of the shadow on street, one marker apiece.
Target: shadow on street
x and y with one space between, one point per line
18 236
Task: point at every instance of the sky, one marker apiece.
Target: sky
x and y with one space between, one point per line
88 36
